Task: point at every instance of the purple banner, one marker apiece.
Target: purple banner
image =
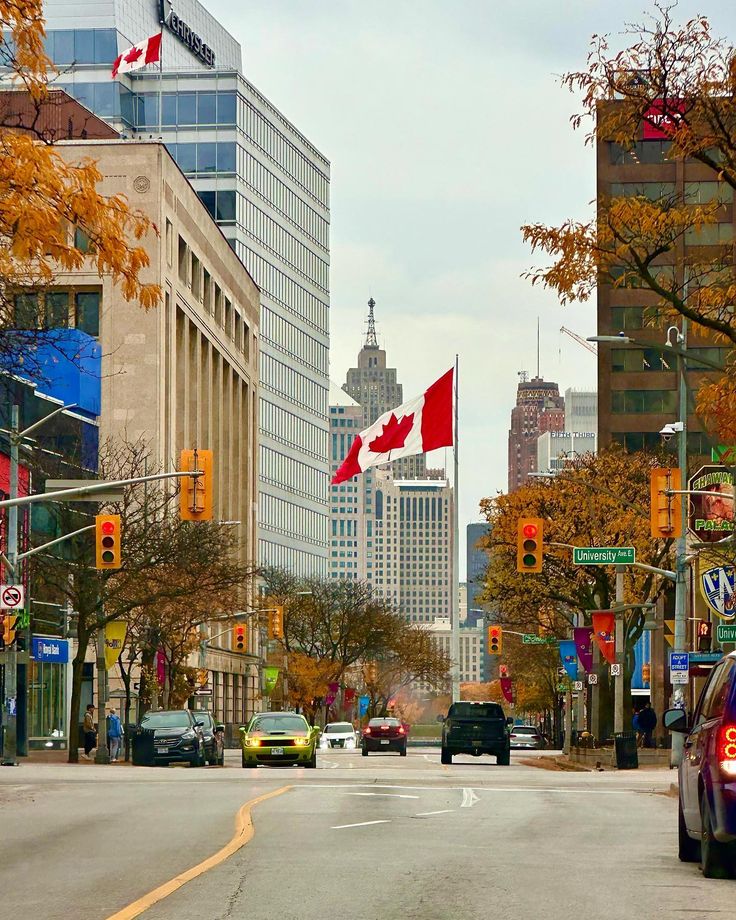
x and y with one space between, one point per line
583 645
569 658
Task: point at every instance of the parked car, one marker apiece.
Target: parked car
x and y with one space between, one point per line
178 736
526 737
338 735
384 734
214 739
707 774
476 728
279 738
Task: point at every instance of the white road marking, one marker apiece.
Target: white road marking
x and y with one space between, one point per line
425 814
469 798
500 789
339 827
385 795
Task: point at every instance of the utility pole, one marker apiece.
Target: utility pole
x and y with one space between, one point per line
680 638
10 700
102 755
618 711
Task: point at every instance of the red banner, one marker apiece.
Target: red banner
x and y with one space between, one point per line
507 689
604 625
348 695
661 119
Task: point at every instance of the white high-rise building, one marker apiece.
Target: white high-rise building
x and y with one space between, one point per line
268 188
348 524
581 411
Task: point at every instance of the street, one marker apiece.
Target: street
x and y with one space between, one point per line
381 837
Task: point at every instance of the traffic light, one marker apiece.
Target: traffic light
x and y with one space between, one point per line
195 497
276 623
665 510
107 541
529 548
495 640
705 635
370 672
8 628
503 670
240 637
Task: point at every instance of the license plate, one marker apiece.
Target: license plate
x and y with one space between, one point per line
161 750
384 742
277 750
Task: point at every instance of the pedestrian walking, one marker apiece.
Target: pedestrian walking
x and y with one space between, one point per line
90 733
647 723
114 735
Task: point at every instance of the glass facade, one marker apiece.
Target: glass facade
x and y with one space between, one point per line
268 188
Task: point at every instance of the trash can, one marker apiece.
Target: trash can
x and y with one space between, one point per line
142 747
627 757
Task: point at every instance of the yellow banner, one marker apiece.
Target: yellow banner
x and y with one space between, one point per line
114 639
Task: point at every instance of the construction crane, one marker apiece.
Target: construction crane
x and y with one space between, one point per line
579 339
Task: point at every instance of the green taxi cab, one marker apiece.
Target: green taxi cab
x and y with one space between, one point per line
283 738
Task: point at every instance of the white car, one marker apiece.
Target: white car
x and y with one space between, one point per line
338 735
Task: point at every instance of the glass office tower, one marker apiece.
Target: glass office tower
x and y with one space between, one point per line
268 188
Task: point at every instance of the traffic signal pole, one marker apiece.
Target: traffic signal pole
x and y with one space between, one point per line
618 700
10 696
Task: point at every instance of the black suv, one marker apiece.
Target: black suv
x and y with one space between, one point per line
177 736
476 728
214 738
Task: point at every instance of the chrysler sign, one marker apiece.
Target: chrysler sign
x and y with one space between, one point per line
177 26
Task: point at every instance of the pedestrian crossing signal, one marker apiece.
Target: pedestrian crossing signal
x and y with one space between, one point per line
276 623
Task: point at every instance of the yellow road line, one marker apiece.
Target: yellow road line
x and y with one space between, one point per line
243 834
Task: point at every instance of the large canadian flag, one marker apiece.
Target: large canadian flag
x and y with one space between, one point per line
145 52
422 424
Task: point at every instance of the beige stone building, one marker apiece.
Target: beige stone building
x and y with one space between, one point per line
184 374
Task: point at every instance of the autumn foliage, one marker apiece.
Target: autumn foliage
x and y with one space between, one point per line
45 196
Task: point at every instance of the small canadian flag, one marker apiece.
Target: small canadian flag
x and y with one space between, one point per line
422 424
145 52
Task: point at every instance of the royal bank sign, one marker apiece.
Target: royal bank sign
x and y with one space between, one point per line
171 21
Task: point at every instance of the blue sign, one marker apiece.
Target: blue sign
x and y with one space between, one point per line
680 661
569 658
49 648
363 702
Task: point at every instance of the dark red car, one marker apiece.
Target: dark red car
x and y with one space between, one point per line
384 734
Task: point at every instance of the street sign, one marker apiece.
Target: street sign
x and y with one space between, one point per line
603 555
705 657
50 648
724 453
592 678
12 597
115 493
679 667
203 691
711 514
577 685
726 632
615 670
531 639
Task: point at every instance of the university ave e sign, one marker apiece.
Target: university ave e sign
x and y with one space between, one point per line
603 555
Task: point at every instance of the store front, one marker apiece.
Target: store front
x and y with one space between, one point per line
49 679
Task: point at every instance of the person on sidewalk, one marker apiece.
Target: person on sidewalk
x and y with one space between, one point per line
637 728
114 734
647 723
88 728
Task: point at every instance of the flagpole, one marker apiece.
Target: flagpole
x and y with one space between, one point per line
455 622
161 84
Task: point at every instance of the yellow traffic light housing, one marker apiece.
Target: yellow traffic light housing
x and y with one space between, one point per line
108 541
495 640
8 628
665 510
195 497
240 638
276 623
529 545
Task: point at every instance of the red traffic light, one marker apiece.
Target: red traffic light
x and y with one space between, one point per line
107 527
530 530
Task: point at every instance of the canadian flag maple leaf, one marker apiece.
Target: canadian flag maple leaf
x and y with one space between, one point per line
394 434
133 54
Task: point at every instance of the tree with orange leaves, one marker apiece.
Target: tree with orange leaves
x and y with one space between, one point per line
45 197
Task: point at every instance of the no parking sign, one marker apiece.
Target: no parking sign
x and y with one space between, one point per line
12 597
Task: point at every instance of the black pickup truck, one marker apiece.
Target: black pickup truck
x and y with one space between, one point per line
476 728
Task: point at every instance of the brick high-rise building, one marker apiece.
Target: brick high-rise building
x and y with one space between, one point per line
539 408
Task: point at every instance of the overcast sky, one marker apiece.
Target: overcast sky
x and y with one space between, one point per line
447 129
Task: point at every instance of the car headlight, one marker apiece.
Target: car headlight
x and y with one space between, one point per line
301 742
252 742
188 736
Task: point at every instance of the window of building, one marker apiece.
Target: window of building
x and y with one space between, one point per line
87 312
644 401
26 311
183 261
57 309
654 191
709 235
705 192
640 153
635 360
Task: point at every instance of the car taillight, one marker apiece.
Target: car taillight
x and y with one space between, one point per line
401 729
366 731
727 749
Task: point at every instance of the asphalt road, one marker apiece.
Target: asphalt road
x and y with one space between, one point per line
371 838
